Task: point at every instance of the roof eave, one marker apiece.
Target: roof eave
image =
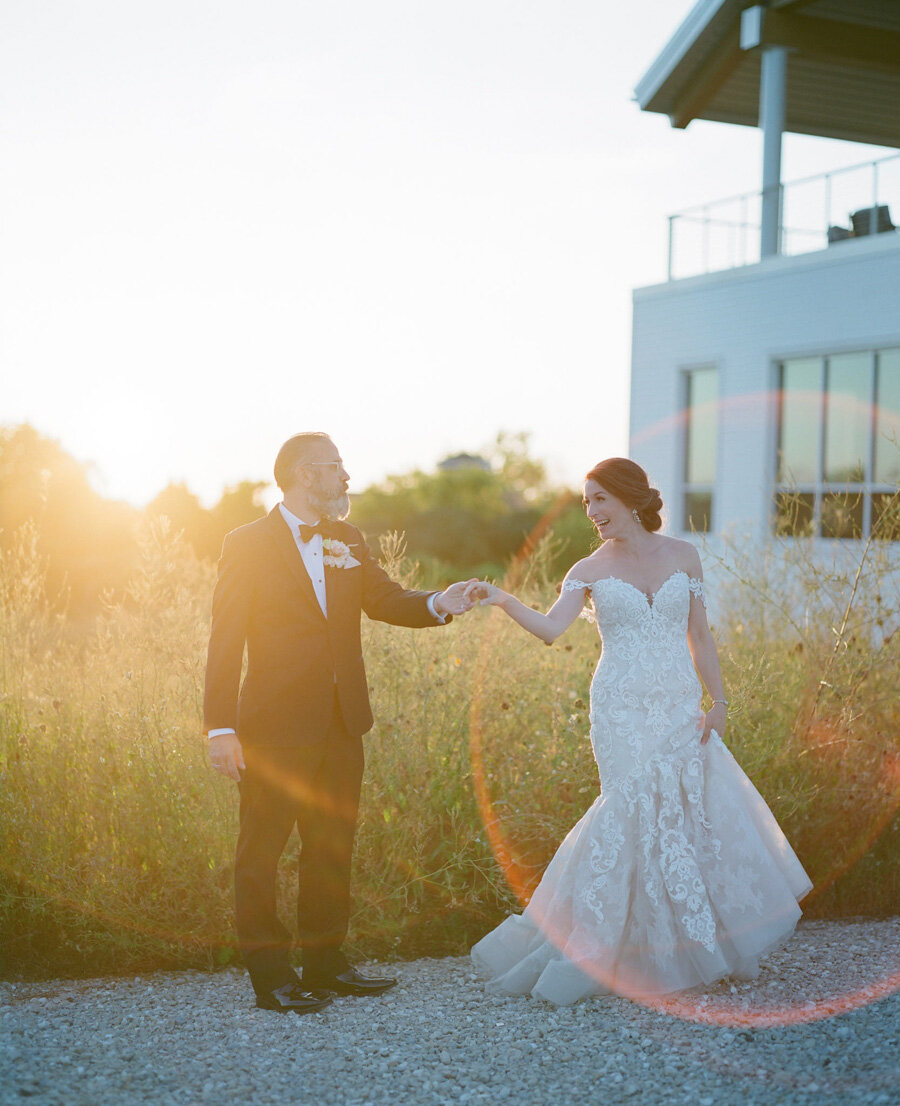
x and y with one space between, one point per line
703 27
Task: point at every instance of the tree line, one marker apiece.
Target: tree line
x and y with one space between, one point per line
470 517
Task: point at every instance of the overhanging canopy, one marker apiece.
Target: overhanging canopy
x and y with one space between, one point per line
843 72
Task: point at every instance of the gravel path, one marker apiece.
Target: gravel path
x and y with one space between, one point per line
188 1037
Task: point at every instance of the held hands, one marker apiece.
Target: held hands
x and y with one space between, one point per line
463 596
483 593
715 720
454 600
227 756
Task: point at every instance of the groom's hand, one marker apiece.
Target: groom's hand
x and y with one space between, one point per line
453 600
227 756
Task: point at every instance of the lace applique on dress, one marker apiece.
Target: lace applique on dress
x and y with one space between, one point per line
697 589
579 585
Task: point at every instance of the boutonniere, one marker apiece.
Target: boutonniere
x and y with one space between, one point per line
337 555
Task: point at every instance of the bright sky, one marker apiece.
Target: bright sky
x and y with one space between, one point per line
409 223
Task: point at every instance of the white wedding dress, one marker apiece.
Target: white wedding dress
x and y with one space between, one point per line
678 875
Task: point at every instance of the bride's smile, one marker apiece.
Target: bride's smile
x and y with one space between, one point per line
611 518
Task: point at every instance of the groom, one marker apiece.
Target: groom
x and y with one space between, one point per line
291 587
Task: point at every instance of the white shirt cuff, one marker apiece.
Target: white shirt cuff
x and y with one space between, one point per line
442 618
219 733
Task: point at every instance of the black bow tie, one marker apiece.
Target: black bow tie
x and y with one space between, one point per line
307 532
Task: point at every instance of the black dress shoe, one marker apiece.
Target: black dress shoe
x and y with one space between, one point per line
350 982
292 999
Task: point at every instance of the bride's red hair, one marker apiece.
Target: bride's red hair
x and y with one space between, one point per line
626 480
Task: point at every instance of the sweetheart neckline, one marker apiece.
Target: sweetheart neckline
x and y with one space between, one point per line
650 599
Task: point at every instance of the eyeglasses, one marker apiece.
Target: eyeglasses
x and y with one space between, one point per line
323 464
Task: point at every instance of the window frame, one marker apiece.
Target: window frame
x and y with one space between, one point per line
704 487
820 488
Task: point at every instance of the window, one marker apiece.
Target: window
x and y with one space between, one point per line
839 445
700 448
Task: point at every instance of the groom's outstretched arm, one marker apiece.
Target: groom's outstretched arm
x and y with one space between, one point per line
385 600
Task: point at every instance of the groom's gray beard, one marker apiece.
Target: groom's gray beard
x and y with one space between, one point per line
335 507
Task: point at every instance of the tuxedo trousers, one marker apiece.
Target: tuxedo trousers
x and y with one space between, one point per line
316 788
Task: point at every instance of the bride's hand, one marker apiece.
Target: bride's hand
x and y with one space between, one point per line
715 720
483 593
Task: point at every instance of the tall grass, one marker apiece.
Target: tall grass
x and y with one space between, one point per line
116 837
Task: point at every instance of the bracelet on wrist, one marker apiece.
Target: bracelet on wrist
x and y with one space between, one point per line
724 702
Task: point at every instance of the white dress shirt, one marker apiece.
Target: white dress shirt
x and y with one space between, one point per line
312 553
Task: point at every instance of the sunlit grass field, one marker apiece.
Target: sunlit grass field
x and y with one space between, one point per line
116 837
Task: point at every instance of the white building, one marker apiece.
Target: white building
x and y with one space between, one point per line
766 370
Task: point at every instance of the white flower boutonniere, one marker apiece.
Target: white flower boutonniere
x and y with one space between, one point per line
337 555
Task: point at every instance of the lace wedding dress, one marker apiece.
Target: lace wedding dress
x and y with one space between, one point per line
678 875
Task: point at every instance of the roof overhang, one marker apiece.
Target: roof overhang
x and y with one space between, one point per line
843 67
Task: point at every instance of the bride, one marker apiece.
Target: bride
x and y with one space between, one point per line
678 875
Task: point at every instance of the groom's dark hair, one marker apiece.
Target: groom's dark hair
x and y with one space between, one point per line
296 449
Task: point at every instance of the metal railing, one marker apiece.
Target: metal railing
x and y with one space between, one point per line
814 212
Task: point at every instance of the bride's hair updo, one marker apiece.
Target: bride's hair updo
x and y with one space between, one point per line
627 481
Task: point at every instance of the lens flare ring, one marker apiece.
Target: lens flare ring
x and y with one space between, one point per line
707 1009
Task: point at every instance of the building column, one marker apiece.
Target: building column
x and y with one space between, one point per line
772 100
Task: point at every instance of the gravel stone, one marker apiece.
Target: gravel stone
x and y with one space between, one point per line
181 1038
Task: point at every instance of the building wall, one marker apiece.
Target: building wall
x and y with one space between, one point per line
743 321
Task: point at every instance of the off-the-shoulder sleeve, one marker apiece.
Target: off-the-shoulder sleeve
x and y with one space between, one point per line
697 589
575 585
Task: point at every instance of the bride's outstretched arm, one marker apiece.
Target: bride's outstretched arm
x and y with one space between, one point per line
547 626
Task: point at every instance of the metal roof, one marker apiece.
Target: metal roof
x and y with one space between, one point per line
843 72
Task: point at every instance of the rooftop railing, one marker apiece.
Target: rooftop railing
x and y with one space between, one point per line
816 213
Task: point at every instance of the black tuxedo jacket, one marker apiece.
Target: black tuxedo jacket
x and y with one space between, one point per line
296 657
